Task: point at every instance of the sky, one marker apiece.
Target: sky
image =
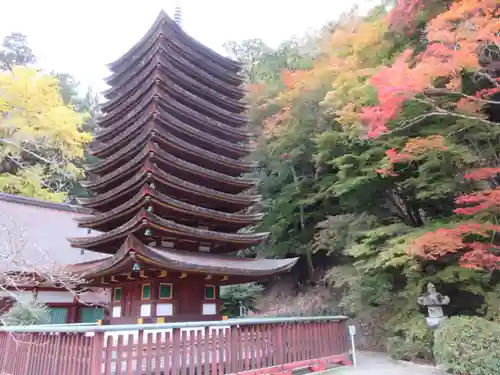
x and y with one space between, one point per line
82 37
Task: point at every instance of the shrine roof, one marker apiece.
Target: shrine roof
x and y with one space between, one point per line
36 232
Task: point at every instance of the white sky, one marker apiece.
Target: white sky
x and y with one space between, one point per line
80 37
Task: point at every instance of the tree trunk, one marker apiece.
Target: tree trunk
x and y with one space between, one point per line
309 256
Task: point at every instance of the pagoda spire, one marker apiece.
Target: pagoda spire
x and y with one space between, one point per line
178 13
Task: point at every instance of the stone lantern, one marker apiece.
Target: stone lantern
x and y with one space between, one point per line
434 302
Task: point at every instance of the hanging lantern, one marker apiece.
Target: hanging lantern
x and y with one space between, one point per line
148 232
136 267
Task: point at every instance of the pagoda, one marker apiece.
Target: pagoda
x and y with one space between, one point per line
171 202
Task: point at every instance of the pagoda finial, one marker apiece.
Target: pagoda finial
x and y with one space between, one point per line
178 12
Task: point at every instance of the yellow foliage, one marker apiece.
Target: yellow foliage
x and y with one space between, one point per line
37 129
345 64
356 47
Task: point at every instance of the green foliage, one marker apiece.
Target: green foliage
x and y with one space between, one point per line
467 345
25 314
234 296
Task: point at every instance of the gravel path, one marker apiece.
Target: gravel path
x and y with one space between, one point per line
380 364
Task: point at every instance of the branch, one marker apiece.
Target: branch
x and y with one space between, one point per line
16 272
47 186
437 112
435 92
41 158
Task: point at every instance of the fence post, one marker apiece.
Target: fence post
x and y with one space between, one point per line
97 348
6 352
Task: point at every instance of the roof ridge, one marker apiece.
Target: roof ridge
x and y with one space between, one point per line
42 203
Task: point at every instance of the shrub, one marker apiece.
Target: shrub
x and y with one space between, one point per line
415 345
26 313
410 349
468 345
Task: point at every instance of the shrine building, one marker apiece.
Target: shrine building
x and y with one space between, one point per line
172 201
34 252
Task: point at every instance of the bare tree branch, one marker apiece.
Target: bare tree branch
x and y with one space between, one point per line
25 266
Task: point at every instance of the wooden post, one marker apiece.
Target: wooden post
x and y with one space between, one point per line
97 347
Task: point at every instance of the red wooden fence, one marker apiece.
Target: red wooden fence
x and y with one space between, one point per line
235 347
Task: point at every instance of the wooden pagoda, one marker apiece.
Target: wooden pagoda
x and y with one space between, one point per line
170 198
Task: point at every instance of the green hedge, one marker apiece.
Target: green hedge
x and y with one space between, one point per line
468 345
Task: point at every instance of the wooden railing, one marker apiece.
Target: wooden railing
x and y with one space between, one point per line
256 346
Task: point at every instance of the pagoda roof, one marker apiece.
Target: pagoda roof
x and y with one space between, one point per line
159 65
133 251
148 196
153 131
150 173
164 24
165 53
137 118
224 123
146 220
154 153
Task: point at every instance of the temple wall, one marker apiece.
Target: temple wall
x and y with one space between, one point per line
171 299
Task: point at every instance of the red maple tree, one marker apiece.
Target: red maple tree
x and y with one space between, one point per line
476 243
456 39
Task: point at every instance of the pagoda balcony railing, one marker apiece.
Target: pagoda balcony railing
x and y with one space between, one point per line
249 346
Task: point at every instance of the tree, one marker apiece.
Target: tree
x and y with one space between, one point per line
234 297
41 138
26 314
15 51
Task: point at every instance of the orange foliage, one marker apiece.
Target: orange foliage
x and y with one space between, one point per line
482 201
298 81
404 13
434 245
482 174
455 37
273 125
471 242
414 149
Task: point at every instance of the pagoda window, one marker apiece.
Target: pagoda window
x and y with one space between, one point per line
146 309
117 294
209 292
165 291
117 311
209 309
146 292
164 309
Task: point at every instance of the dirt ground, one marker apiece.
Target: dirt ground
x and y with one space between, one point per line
380 364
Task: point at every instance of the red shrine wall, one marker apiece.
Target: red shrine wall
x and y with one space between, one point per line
164 300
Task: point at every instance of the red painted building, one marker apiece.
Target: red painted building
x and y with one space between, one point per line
172 199
33 242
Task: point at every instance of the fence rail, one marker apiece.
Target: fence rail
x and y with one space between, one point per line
194 348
